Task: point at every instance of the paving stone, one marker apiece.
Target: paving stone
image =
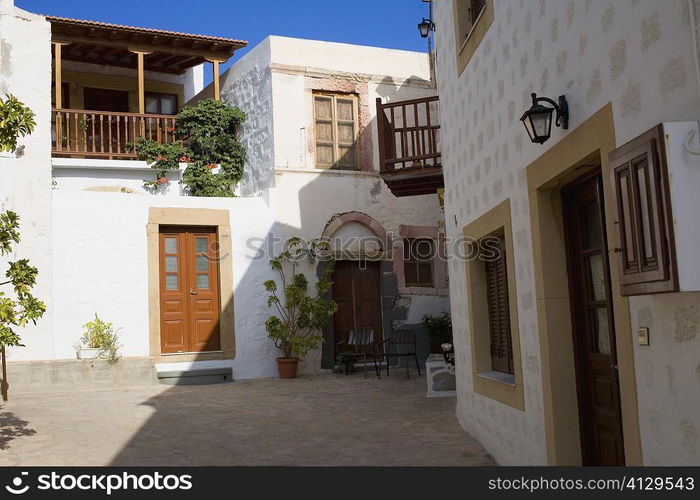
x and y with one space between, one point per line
314 420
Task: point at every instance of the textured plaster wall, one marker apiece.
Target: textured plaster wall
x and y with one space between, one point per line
25 179
248 85
274 85
103 269
638 54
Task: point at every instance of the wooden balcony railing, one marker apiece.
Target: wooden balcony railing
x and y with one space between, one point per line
105 134
409 134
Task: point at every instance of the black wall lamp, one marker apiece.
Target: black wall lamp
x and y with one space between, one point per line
538 119
425 27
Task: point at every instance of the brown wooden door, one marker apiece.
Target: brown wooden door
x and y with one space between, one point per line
356 289
189 290
593 325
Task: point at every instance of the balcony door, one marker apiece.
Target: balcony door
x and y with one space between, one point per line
189 290
105 132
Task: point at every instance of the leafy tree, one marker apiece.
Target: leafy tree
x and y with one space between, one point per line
208 134
23 307
296 329
16 120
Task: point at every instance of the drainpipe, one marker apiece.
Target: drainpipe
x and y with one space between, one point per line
694 35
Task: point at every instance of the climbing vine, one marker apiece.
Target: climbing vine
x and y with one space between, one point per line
16 120
209 145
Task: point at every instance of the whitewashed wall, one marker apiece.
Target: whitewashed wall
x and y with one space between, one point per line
25 179
306 198
637 54
101 256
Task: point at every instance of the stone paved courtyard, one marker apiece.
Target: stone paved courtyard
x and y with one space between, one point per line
319 420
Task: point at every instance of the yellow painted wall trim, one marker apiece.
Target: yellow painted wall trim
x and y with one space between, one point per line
158 216
582 148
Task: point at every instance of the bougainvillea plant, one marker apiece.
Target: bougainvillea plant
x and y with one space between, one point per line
207 133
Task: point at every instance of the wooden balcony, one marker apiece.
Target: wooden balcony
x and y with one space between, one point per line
105 134
409 146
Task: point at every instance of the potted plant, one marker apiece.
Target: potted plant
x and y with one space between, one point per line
439 330
296 328
99 340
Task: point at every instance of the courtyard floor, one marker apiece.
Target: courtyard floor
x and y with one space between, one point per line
312 420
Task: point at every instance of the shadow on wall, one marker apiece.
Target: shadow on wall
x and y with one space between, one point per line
12 427
175 415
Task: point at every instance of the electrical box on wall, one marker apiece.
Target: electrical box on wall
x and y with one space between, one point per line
656 181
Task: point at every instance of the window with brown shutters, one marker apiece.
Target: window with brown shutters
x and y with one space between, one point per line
642 216
335 123
468 12
499 311
418 256
475 8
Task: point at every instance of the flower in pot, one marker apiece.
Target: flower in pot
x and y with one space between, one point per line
439 330
296 328
99 340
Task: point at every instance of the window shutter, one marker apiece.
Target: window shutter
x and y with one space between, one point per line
499 312
642 215
475 8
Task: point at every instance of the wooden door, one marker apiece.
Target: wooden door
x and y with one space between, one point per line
593 326
356 289
189 290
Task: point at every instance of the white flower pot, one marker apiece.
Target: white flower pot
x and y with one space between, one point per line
87 352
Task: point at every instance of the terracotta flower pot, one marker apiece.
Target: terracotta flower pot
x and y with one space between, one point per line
287 367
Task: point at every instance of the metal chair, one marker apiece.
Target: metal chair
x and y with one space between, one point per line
401 343
360 343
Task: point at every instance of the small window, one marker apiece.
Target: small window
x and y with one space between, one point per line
161 104
418 257
335 118
468 12
499 309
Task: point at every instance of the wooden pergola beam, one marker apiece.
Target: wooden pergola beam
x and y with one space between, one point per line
182 49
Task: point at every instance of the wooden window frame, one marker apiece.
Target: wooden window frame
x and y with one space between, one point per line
414 260
504 387
163 94
648 264
473 33
334 96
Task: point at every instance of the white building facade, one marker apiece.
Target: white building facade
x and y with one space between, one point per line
98 236
624 67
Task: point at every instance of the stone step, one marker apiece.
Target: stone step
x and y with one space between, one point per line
202 376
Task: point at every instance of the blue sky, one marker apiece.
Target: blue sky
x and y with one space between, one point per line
383 23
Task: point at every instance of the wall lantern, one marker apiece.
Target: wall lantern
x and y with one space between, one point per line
425 27
538 119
